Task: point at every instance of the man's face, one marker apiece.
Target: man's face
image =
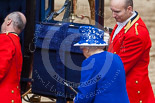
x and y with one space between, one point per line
119 12
3 27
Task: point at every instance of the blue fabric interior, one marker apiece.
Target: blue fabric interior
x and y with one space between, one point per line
55 41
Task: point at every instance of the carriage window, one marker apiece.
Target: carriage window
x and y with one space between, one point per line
78 11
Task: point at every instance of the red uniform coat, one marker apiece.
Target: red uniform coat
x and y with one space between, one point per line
133 45
10 68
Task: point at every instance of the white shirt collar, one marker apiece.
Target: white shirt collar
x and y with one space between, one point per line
125 22
121 25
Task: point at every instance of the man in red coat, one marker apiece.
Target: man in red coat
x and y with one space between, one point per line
131 41
11 58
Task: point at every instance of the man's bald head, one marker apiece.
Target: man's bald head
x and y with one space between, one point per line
19 20
121 9
124 3
14 22
128 3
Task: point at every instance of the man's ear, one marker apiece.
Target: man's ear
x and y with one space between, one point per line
9 22
130 8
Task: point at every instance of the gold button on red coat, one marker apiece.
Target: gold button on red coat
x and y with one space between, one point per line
136 82
114 52
12 101
140 101
12 91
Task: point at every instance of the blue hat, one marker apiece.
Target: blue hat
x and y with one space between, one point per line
91 36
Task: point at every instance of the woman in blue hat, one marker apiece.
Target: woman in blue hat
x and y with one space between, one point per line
102 73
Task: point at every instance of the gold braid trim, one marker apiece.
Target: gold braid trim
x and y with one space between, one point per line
12 33
129 25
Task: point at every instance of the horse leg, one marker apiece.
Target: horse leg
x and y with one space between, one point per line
92 10
74 6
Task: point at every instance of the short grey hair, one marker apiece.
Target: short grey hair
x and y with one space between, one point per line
128 3
17 20
93 47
